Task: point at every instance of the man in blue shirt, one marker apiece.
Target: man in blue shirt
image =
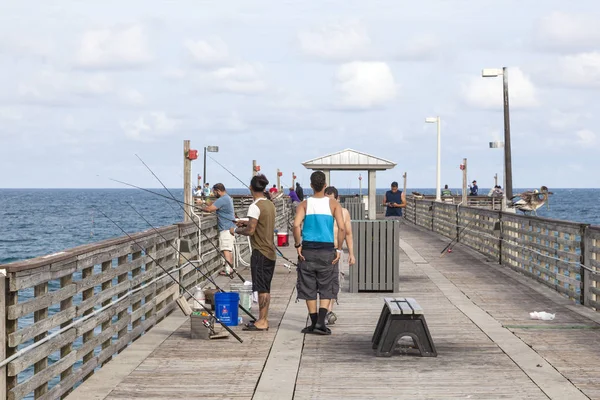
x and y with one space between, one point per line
225 221
474 189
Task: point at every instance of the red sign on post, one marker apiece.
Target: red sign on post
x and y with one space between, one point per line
462 166
192 155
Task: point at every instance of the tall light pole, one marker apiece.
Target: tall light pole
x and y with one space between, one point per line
438 179
210 149
494 72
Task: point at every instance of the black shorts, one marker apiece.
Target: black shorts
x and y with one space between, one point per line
262 269
316 275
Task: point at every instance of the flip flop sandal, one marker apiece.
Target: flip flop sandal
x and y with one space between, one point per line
254 328
321 330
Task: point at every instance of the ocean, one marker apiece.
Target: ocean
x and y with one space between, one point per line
37 222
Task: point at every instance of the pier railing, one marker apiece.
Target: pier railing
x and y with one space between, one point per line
563 255
67 314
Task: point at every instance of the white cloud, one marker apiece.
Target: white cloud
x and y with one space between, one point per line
47 87
131 96
422 47
580 70
244 78
585 137
487 92
365 84
114 48
97 85
208 52
565 31
347 41
10 114
150 126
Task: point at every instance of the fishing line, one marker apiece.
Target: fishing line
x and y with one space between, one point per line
194 221
187 259
222 166
174 279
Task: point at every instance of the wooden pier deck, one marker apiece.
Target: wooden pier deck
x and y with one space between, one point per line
477 312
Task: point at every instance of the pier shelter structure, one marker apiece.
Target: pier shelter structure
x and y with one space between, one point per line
352 160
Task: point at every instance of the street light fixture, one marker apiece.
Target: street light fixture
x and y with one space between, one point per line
210 149
494 72
438 183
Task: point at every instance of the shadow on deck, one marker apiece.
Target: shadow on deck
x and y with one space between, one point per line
477 312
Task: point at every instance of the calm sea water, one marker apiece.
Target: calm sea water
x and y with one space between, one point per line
37 222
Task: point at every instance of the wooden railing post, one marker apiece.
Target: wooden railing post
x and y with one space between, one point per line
3 291
586 246
500 237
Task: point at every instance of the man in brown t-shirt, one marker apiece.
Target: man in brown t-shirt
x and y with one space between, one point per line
260 227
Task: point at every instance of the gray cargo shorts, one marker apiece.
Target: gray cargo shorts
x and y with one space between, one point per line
316 274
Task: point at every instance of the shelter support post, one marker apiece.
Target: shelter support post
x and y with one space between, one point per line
372 195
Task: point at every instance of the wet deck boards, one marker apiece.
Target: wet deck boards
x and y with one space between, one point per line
478 315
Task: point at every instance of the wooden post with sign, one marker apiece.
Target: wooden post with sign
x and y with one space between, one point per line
187 181
293 180
254 171
463 166
278 179
404 184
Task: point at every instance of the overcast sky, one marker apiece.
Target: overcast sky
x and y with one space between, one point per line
85 87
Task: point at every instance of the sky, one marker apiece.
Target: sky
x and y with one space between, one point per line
88 85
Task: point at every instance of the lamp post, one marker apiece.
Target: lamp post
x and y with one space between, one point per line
210 149
438 179
494 72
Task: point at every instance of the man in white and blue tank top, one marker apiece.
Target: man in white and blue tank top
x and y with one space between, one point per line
317 252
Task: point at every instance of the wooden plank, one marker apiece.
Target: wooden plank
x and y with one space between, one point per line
102 317
37 303
391 250
112 273
31 278
29 332
101 297
377 274
42 377
414 305
404 307
369 253
67 384
102 337
40 352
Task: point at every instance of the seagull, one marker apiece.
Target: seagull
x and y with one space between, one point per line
531 200
417 195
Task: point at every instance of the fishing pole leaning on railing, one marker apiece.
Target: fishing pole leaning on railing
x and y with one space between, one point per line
241 307
173 278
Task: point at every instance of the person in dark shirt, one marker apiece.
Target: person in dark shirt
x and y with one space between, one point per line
299 192
474 189
395 201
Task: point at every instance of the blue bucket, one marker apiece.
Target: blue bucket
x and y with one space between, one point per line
226 307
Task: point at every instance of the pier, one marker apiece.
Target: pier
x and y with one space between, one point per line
476 300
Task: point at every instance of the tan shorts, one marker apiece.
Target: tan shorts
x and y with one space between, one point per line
226 241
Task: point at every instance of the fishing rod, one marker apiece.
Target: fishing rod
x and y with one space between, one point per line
222 166
285 258
288 222
197 224
455 239
188 260
174 279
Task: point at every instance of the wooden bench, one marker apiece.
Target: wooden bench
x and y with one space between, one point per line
402 317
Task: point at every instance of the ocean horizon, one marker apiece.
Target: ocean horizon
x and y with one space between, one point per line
37 222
